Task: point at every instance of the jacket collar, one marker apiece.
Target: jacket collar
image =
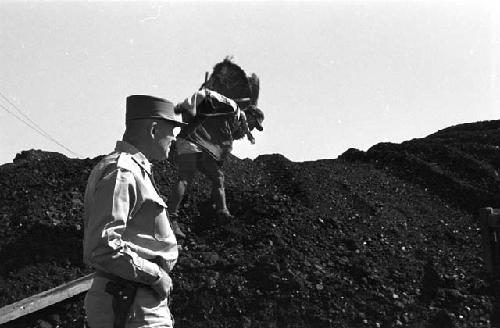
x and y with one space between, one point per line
137 156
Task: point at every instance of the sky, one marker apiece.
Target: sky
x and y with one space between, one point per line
333 75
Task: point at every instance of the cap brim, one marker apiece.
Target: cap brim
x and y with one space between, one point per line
176 123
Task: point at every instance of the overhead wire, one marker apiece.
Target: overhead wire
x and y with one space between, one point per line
31 124
41 132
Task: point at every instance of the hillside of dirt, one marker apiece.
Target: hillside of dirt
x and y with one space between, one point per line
383 238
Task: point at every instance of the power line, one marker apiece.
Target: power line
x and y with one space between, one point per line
42 133
40 130
31 124
22 120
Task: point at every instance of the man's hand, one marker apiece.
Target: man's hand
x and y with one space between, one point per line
163 285
251 138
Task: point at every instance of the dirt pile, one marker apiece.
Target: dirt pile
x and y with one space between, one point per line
383 238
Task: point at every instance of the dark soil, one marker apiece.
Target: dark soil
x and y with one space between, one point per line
383 238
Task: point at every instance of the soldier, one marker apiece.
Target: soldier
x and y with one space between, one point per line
128 238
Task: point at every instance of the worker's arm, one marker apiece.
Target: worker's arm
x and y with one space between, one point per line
241 129
209 103
187 106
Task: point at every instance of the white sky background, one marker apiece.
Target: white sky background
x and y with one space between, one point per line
334 74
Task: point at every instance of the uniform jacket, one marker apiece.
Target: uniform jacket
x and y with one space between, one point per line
127 232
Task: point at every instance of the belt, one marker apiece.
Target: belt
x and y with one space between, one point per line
123 283
157 260
117 279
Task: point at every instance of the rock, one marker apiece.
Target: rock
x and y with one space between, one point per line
431 281
442 319
44 324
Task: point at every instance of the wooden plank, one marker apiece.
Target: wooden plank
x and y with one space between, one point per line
46 298
489 221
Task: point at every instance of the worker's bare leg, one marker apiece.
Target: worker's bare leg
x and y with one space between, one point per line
186 165
186 172
213 171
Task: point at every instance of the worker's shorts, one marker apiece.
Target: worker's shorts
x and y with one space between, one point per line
147 311
189 163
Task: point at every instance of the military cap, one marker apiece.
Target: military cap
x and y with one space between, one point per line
143 106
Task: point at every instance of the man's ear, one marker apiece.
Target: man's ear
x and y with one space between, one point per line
153 128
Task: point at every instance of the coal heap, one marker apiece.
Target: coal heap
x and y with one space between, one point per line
383 238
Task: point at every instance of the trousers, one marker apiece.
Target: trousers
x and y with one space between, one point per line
147 310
